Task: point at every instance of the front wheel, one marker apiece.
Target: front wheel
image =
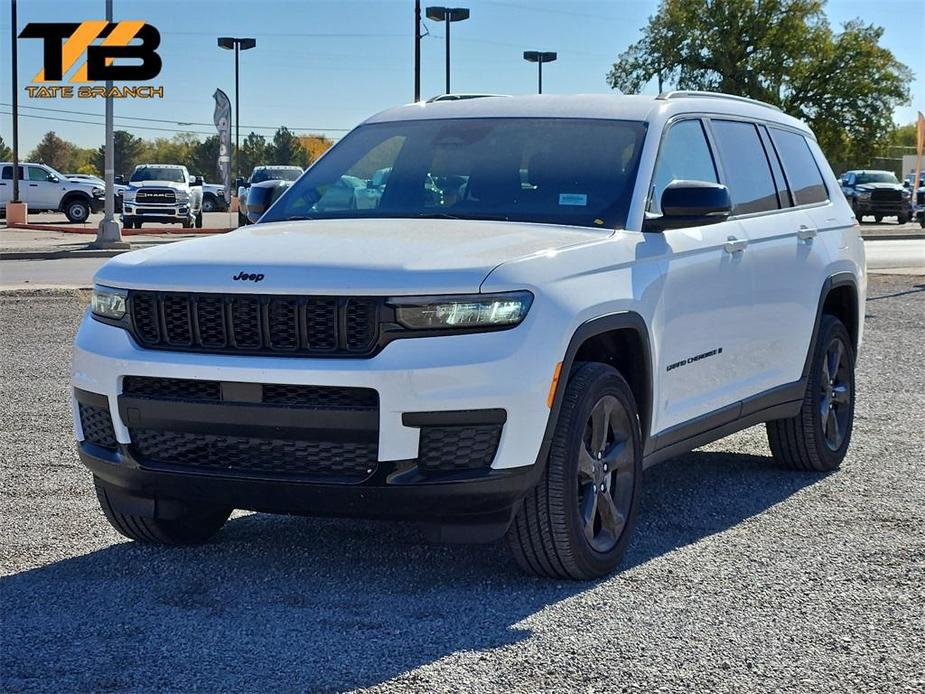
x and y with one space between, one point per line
817 437
209 204
576 523
903 218
198 221
77 211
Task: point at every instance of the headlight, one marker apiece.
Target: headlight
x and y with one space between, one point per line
462 312
108 302
182 196
864 194
906 194
97 192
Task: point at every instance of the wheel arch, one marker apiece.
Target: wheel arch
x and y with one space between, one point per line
70 196
620 340
839 297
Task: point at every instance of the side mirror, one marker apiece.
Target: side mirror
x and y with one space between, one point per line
197 181
53 179
261 195
690 204
238 182
119 180
907 184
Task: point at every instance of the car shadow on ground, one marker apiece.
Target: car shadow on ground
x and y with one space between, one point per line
283 603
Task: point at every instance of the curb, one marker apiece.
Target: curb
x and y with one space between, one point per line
59 255
125 232
894 237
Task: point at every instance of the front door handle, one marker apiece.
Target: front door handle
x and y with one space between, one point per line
805 233
735 245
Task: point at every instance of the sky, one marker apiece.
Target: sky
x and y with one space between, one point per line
322 66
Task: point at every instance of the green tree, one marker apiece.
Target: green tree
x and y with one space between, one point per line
203 159
253 153
845 85
52 150
128 151
286 149
5 152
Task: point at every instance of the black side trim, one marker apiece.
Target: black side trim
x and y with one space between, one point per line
839 279
777 403
596 326
454 418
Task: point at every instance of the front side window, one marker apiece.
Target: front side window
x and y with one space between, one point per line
548 170
684 156
157 173
802 171
38 174
746 168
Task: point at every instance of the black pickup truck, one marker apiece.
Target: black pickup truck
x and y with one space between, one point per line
876 194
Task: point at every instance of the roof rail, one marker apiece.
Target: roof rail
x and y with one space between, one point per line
460 97
683 94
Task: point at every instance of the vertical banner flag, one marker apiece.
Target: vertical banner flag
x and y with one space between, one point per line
222 120
919 147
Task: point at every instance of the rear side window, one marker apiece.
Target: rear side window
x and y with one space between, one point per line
7 174
684 156
747 172
802 171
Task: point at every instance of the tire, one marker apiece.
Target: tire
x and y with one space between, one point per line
190 529
198 222
242 220
878 218
209 204
812 440
128 223
902 218
550 535
187 223
77 211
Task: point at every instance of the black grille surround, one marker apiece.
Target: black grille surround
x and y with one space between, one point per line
257 324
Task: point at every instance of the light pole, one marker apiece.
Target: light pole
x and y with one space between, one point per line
540 57
447 15
16 211
238 44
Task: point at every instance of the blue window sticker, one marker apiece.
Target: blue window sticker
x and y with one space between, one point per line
578 199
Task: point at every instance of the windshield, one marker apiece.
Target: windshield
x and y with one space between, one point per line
550 170
261 175
877 177
158 173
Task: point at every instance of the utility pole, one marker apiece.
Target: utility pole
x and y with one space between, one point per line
417 50
109 232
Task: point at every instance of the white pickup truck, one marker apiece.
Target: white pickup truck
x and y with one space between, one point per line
163 193
45 190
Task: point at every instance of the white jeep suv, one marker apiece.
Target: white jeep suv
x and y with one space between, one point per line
163 193
547 295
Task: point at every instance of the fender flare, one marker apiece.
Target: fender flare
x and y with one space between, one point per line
70 195
596 326
839 279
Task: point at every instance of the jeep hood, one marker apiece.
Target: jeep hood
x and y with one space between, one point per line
345 256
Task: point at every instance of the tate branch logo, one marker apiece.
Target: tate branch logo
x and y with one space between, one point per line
96 51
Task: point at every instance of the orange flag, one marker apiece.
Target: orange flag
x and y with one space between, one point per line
919 146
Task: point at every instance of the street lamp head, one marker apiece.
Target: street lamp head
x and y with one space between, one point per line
247 43
540 56
226 42
229 42
441 14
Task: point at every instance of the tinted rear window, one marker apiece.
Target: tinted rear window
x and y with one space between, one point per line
802 171
747 172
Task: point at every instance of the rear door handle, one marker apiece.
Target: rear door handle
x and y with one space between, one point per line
805 233
33 185
735 245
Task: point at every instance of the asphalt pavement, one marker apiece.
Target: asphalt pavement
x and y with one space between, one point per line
742 577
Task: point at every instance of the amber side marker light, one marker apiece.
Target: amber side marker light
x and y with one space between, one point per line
552 386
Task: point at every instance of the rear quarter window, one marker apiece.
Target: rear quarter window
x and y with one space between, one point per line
803 174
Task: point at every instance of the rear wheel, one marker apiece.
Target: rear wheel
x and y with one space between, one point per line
903 218
209 204
189 529
817 437
576 523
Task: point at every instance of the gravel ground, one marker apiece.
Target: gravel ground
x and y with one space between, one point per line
742 577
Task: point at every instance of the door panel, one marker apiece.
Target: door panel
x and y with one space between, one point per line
703 321
41 193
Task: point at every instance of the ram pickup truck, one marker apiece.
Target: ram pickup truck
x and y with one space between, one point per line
876 194
45 190
544 296
262 174
164 193
213 197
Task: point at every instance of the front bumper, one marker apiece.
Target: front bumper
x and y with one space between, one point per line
442 377
156 212
97 204
887 208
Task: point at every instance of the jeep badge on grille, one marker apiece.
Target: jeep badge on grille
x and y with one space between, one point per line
248 277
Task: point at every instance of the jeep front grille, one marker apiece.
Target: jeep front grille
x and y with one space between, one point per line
255 324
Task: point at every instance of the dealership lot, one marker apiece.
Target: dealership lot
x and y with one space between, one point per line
742 576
